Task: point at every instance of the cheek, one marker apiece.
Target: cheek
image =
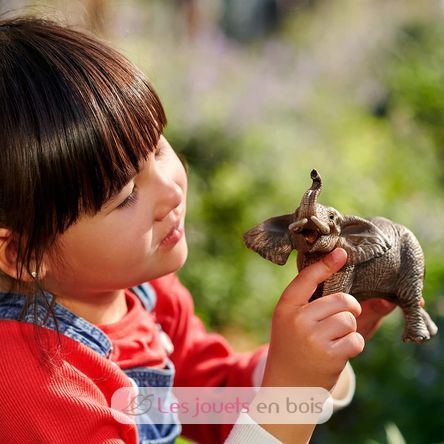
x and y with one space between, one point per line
132 241
113 243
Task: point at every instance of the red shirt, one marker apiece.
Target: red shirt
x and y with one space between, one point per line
135 337
71 404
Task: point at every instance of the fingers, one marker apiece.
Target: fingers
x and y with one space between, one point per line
304 285
377 307
349 346
337 325
373 311
334 303
367 328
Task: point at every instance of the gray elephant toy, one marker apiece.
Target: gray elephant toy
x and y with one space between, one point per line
384 258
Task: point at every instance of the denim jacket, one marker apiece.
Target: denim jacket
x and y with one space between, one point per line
79 329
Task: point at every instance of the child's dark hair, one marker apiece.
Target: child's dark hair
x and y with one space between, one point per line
76 120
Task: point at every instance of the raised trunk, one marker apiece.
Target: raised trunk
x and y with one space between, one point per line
307 207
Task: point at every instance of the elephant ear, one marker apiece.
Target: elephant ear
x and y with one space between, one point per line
362 240
271 239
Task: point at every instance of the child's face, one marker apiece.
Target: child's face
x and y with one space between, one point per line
137 236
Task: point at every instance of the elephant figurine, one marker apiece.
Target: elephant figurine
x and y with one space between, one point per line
384 258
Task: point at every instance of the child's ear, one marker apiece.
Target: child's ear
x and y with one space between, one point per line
8 253
8 257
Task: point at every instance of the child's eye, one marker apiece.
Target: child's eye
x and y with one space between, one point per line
130 200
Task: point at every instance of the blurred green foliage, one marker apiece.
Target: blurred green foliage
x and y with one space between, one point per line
379 152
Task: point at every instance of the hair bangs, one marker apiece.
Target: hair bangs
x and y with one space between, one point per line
116 120
76 120
93 114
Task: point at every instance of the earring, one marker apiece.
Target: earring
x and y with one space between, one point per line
34 274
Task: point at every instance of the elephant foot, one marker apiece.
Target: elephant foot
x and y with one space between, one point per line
420 331
419 326
416 336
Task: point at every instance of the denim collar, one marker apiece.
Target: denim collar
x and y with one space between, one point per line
68 323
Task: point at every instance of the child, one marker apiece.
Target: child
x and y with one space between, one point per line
92 208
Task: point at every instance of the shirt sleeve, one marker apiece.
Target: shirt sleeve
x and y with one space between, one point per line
247 431
69 403
343 392
201 358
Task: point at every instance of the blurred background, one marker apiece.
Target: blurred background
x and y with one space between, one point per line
259 92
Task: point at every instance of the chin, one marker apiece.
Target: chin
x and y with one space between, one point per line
180 252
175 259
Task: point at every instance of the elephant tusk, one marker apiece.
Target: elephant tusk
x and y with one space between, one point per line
296 226
324 228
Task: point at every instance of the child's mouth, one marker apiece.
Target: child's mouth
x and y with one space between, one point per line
173 237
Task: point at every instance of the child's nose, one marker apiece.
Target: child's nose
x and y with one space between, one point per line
170 197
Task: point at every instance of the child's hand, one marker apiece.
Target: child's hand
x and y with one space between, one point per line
311 342
373 311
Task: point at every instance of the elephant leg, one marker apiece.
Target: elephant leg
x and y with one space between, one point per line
431 326
340 282
417 325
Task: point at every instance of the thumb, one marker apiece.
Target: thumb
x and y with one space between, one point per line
303 286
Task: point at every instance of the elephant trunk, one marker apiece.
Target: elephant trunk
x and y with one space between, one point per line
307 207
